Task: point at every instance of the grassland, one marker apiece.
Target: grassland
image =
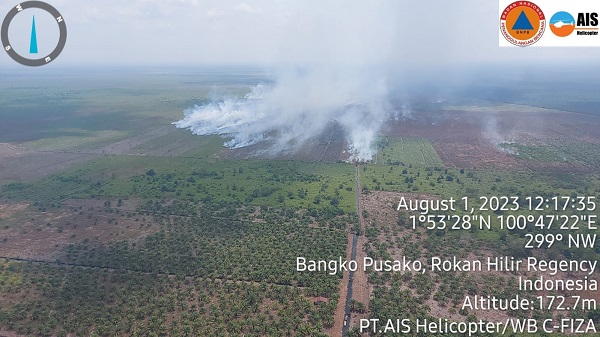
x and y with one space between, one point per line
394 151
563 151
67 112
259 183
447 182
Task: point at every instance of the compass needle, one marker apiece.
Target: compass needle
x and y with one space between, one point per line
33 46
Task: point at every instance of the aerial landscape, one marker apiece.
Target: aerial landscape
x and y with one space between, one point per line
306 199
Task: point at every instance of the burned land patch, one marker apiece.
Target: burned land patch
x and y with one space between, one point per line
474 137
41 233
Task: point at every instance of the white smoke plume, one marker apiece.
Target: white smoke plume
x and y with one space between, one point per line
333 67
296 109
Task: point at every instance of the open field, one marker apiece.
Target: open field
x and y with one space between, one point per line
76 123
395 151
40 233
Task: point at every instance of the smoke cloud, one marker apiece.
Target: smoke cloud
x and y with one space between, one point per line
334 63
297 108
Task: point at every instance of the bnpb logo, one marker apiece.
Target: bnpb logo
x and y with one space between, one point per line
522 23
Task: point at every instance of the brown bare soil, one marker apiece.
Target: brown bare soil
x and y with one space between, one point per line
8 209
21 164
467 138
470 138
31 233
9 334
29 165
7 149
479 154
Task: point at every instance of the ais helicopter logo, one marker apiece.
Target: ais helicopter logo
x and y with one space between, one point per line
522 23
564 24
33 58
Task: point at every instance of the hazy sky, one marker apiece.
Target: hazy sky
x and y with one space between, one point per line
285 31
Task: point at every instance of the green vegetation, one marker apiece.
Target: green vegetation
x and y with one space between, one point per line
228 235
546 154
220 263
229 232
560 151
397 151
588 153
75 114
228 243
451 182
259 183
92 302
218 238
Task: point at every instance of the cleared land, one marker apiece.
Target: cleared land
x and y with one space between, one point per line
482 136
